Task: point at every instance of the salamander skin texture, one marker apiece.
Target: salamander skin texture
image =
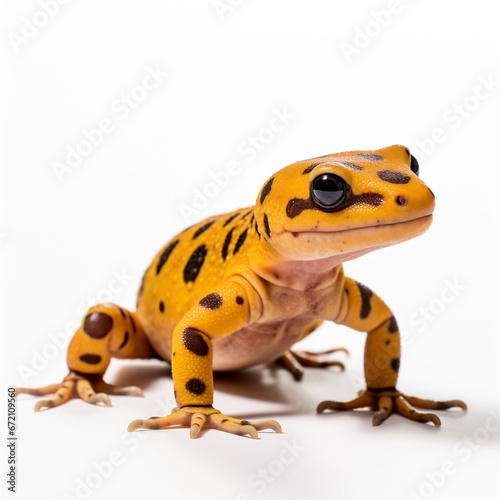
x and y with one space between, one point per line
239 289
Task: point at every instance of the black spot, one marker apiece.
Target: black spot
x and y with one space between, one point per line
193 265
393 325
97 325
393 177
310 168
211 301
366 295
202 229
352 166
195 386
240 241
91 359
161 306
194 342
395 364
266 226
245 422
370 156
165 255
125 340
372 199
252 219
257 228
239 300
122 312
387 342
231 218
266 190
297 205
133 323
227 242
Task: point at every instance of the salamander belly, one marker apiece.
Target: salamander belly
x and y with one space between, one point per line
258 343
255 344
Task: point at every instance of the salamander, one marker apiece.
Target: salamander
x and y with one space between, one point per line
240 289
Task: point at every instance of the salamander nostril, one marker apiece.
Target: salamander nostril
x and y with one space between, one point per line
401 200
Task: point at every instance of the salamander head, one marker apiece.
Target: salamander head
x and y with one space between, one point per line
344 204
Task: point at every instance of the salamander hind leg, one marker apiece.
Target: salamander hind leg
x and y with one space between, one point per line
295 361
107 331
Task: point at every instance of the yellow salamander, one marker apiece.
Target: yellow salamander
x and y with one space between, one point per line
240 289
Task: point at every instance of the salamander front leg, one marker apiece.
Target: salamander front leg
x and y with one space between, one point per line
198 418
388 402
225 310
382 360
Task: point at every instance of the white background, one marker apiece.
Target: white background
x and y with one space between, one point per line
227 74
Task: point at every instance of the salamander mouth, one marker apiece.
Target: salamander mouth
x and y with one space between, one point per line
347 244
359 228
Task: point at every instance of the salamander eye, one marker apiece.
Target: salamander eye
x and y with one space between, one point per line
329 191
414 165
